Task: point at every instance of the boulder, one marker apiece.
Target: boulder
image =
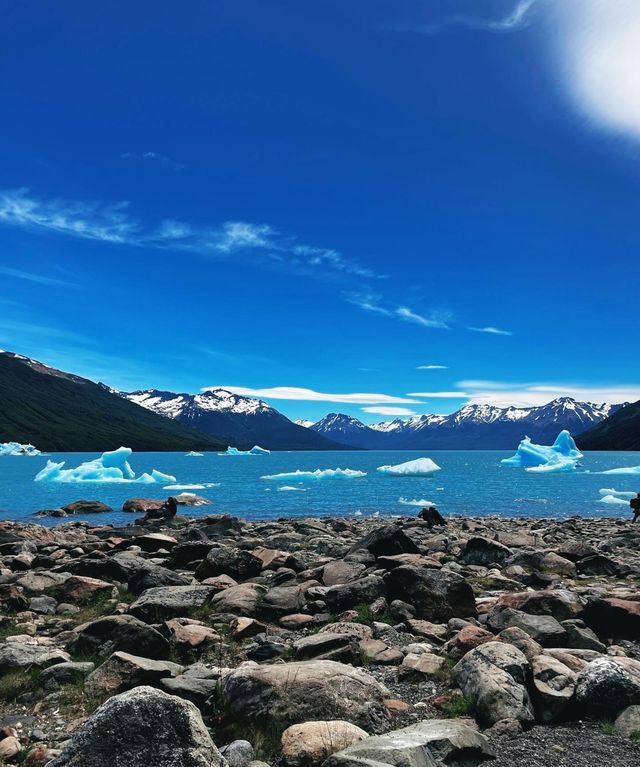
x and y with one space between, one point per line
431 743
290 693
326 646
608 685
157 604
154 577
87 507
553 687
243 599
238 753
151 542
196 689
544 629
139 728
388 539
613 618
64 673
627 724
437 595
143 505
122 671
494 678
338 572
18 655
80 589
562 604
483 551
310 743
237 563
119 632
347 595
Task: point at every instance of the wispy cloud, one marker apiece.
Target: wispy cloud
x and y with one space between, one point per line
113 223
395 411
432 367
160 159
16 333
492 331
439 394
517 18
41 279
375 304
310 395
504 394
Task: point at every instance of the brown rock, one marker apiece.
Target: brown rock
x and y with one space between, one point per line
309 744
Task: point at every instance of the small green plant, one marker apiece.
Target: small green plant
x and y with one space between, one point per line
20 682
608 727
457 705
443 674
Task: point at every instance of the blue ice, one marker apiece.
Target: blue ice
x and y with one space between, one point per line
193 454
111 466
561 456
255 450
623 470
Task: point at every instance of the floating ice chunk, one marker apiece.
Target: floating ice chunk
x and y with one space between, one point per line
420 467
310 476
193 454
15 448
624 494
255 450
203 486
291 489
623 470
613 500
554 465
561 456
112 466
414 502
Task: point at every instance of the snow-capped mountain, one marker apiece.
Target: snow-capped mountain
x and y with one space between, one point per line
242 421
479 426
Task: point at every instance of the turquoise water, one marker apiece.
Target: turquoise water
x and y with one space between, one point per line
470 483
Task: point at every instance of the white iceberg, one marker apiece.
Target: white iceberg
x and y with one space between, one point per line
193 454
613 500
420 467
563 455
415 502
192 487
15 448
623 470
310 476
112 466
291 489
623 494
255 450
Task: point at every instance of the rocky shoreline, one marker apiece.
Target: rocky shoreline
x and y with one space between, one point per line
300 642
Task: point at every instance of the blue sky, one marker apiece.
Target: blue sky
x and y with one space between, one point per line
377 207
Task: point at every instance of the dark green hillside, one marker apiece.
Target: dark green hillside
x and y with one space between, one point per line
620 431
57 411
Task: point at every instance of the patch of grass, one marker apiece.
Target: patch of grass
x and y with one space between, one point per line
456 706
20 682
443 674
608 727
7 629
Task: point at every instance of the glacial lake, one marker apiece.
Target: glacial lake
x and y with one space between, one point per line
470 483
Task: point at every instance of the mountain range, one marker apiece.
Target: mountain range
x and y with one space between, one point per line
472 427
58 411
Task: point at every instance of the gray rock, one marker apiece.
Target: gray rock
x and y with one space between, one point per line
347 595
544 629
225 560
432 743
119 632
288 693
64 673
326 646
482 551
436 595
627 724
389 539
493 677
240 753
43 605
608 685
189 687
122 671
15 655
242 599
155 605
553 687
140 728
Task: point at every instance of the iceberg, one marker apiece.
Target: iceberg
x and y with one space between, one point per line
614 500
290 489
15 448
561 456
192 487
112 466
310 476
193 454
623 470
255 450
420 467
414 502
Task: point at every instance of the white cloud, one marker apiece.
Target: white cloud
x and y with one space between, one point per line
41 279
396 411
597 50
503 394
375 304
439 394
516 18
309 395
162 160
113 223
492 331
432 367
